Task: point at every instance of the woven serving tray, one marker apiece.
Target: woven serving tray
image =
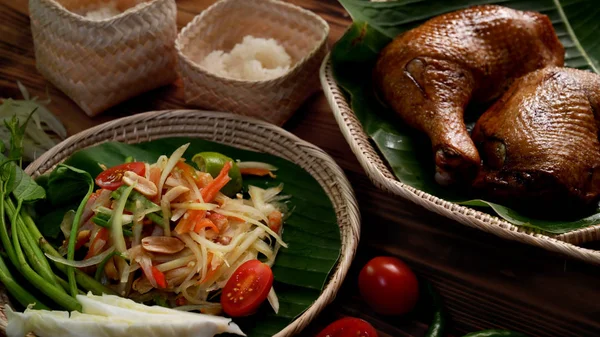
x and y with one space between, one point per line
379 173
241 132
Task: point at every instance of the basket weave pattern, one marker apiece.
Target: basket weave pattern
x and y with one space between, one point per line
379 173
302 34
101 63
241 132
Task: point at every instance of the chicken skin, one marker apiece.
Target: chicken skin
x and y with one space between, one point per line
539 142
429 75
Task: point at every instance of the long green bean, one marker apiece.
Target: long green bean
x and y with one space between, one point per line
18 293
34 254
84 280
4 237
36 263
53 292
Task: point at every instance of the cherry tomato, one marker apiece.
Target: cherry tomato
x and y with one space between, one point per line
247 288
388 286
112 178
349 327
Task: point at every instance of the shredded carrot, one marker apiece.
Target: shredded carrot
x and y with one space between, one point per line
219 220
210 271
205 223
256 172
189 220
187 172
201 179
155 175
209 192
159 276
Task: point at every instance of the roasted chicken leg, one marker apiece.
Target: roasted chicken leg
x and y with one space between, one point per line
539 142
429 74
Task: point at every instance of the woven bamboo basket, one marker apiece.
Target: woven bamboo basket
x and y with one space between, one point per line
241 132
99 63
223 25
379 173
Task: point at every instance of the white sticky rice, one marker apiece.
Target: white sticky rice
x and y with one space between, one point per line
111 8
255 59
104 12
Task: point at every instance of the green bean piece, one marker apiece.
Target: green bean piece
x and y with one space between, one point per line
103 220
134 197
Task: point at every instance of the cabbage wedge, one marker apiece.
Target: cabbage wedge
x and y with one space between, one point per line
109 315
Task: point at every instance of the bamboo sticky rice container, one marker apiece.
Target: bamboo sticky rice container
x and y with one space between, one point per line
223 25
101 62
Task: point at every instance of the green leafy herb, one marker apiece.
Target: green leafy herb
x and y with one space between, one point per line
67 184
17 182
21 185
40 134
407 152
17 133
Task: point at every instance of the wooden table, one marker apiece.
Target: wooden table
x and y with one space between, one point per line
486 282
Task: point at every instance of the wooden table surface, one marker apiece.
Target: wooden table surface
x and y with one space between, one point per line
486 282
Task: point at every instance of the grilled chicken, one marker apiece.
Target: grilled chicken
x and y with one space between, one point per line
539 142
430 74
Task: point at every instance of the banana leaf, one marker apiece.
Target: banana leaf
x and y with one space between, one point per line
408 153
311 231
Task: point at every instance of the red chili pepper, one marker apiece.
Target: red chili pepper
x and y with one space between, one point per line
159 276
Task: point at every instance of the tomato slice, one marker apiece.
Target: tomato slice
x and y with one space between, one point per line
349 327
112 178
247 288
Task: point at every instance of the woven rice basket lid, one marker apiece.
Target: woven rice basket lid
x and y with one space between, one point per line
103 52
241 132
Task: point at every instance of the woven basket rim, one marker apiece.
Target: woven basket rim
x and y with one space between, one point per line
249 83
379 173
59 8
347 211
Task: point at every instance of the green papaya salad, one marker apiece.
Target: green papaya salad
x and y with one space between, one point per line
181 233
